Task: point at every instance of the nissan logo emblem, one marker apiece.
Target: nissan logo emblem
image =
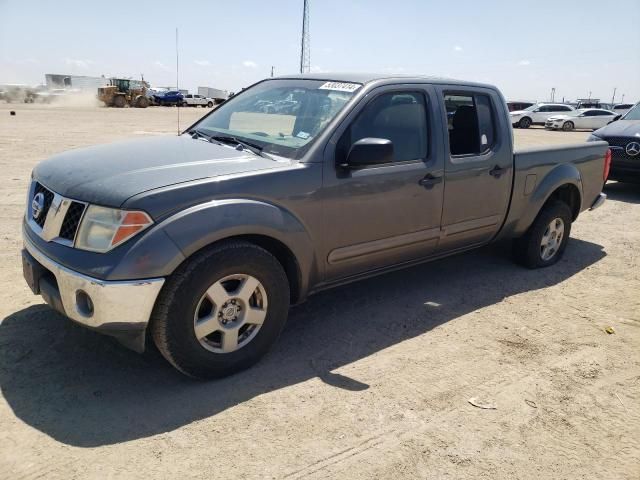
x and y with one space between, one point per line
632 149
37 205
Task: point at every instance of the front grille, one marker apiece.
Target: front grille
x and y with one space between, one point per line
48 198
620 141
71 221
59 218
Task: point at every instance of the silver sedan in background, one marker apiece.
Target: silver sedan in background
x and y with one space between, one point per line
584 118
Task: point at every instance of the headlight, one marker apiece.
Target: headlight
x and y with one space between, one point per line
594 138
104 228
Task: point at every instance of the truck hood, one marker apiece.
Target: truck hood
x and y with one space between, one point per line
110 174
620 128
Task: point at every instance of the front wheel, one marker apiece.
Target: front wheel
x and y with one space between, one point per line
568 126
209 104
222 310
545 241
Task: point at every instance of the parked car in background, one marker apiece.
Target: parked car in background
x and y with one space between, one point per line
191 100
516 106
202 241
583 118
538 114
216 94
591 103
172 97
622 108
623 137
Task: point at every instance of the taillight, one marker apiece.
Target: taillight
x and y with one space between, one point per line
607 165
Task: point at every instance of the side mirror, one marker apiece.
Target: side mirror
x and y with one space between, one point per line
369 151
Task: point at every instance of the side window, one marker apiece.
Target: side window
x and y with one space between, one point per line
591 113
471 123
564 109
485 122
544 108
399 117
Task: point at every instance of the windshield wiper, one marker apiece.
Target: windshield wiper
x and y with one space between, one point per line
252 147
195 133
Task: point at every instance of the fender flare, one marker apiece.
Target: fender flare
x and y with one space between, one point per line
202 225
559 176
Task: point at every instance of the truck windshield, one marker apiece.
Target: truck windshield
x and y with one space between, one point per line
633 114
282 116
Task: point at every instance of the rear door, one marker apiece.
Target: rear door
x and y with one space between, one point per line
541 114
386 214
478 166
602 118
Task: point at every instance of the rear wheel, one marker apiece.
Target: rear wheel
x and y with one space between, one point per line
568 126
221 311
545 241
524 122
184 104
210 104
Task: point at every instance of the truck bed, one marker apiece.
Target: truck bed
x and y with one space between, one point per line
541 170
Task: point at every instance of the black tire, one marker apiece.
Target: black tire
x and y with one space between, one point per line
568 126
210 104
142 102
524 122
184 104
119 101
527 249
172 320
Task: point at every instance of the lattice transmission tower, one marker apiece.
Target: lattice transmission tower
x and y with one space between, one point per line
305 50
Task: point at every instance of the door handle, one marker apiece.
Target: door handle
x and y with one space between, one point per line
497 171
429 180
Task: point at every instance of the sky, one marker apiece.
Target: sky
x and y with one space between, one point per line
525 48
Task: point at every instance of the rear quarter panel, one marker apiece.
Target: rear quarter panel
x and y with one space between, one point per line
540 171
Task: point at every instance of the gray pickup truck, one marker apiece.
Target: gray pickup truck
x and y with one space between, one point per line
202 241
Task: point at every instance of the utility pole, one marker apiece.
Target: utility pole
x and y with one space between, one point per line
553 93
271 71
613 98
622 101
305 53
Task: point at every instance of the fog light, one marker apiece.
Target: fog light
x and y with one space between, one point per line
84 303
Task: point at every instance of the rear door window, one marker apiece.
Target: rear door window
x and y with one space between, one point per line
471 123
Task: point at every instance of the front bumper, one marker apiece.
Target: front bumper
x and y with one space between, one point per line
118 308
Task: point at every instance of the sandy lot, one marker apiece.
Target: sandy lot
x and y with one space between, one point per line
367 381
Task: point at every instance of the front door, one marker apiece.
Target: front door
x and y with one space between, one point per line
478 168
385 214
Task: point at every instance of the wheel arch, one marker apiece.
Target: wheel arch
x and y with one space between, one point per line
275 247
267 225
561 183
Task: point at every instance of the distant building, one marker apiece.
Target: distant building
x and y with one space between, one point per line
79 82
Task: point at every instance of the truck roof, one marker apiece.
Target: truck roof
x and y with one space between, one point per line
372 77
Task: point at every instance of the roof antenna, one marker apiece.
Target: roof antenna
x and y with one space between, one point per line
177 80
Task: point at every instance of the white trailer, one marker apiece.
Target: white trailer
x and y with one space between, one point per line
218 95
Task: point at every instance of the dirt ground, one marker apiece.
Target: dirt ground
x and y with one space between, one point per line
368 381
